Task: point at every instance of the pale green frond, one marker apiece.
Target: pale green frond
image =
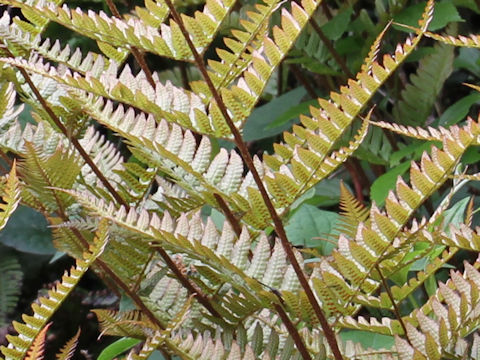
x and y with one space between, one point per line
131 323
43 172
241 45
46 307
374 50
352 212
455 317
428 134
93 63
11 197
167 40
244 94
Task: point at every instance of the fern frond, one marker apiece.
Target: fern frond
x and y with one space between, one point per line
355 260
217 257
19 345
455 310
242 97
472 41
427 134
43 172
68 350
75 61
130 323
320 133
352 212
36 351
11 276
418 97
372 56
11 197
242 44
167 41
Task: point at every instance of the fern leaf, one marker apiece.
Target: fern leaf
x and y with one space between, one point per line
353 212
11 198
455 317
36 352
355 259
10 284
472 40
167 41
68 350
19 345
419 96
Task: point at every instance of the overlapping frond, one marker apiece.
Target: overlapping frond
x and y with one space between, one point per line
12 33
310 144
216 257
167 40
455 316
356 262
42 312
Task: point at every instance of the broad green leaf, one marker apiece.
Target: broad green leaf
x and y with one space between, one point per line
257 123
455 215
309 223
118 347
292 113
445 12
458 111
468 59
335 28
27 231
368 339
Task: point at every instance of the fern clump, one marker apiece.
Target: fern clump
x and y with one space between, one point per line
145 177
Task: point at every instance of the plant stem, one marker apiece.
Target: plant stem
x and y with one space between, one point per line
137 54
292 330
298 74
228 214
392 299
192 290
278 225
331 49
201 298
73 140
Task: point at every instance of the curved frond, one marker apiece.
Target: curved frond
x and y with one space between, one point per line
20 344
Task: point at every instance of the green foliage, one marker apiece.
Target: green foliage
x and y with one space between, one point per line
184 158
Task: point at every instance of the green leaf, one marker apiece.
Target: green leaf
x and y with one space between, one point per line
445 12
368 339
27 231
459 110
412 151
455 214
256 126
468 59
118 347
335 28
292 113
386 182
309 223
471 156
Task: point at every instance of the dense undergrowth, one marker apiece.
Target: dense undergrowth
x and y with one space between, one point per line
239 179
